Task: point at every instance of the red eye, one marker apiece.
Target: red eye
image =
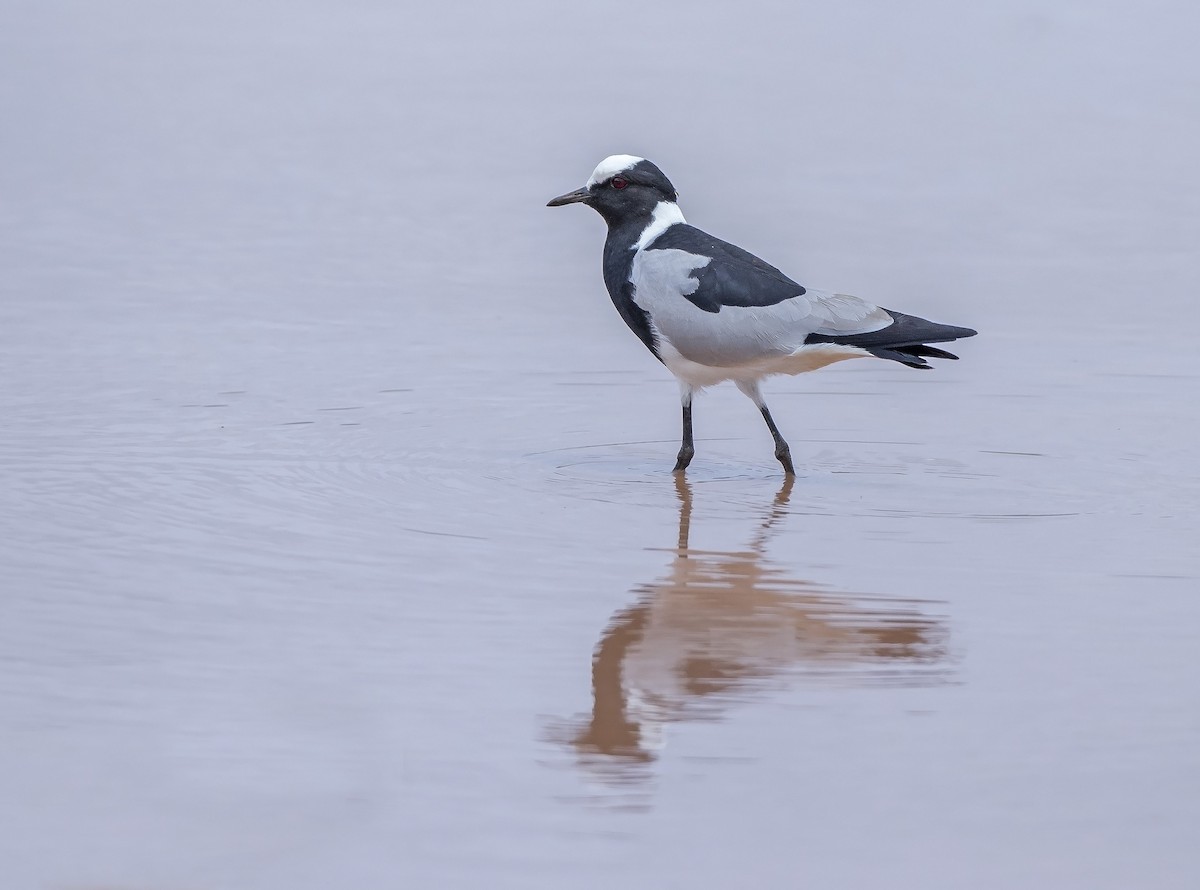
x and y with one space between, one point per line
619 182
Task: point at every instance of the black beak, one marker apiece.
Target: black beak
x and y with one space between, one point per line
574 197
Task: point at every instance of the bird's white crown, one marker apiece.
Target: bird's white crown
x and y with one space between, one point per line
611 166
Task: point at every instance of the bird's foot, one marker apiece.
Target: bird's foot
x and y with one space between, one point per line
785 457
684 458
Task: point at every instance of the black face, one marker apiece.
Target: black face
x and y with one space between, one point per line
631 194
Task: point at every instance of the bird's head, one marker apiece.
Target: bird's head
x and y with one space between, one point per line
622 187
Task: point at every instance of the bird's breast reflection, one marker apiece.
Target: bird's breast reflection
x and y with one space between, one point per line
722 624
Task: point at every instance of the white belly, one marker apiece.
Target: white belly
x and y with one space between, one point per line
806 358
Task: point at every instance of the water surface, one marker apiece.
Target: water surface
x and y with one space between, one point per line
338 546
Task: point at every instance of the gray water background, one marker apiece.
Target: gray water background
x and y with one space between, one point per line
338 546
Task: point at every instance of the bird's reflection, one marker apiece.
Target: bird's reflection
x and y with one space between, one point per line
724 623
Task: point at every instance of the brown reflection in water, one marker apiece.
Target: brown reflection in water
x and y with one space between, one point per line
720 625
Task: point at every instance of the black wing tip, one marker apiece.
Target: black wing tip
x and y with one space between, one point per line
944 334
906 332
924 331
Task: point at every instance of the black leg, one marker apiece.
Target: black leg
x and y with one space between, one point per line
781 447
782 452
687 450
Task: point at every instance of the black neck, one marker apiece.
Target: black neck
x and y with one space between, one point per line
618 264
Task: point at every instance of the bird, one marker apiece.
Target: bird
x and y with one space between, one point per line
712 312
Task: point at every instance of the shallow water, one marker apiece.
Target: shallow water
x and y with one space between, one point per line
339 547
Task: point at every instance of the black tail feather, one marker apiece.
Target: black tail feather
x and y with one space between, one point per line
928 351
913 356
903 356
902 341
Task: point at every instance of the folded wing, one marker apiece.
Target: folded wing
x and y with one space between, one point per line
762 311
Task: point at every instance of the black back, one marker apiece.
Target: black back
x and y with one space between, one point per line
733 277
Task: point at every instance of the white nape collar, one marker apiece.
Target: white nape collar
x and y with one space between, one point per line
665 215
